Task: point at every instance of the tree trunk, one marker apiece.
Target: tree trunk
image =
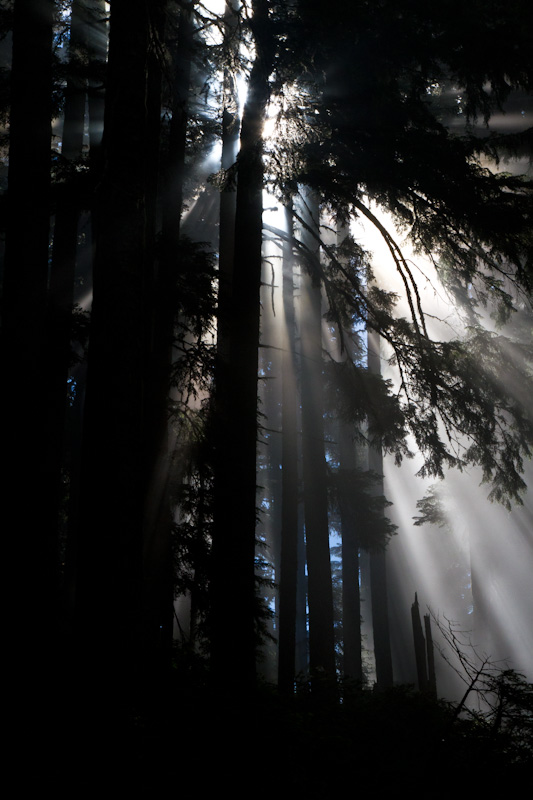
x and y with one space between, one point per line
320 592
289 476
351 598
378 567
63 265
32 634
175 166
157 620
94 37
114 479
25 439
351 593
420 647
228 195
432 678
97 56
233 595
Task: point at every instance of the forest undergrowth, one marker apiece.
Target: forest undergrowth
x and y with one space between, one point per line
199 739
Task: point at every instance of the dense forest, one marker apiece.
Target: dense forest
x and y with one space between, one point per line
266 404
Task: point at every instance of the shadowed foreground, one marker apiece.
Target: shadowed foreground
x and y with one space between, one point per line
196 743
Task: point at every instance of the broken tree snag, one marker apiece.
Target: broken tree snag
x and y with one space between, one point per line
420 646
432 678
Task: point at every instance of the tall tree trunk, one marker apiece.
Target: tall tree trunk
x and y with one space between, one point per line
24 438
32 635
157 588
225 310
114 479
233 595
320 592
350 562
92 29
289 476
351 598
228 196
378 565
63 264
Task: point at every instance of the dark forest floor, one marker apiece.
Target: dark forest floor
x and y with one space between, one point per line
197 746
